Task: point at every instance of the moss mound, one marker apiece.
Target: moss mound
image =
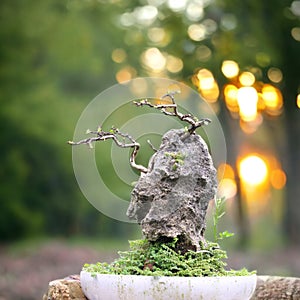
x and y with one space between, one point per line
163 259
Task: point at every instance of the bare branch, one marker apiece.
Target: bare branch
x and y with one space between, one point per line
114 134
151 145
172 110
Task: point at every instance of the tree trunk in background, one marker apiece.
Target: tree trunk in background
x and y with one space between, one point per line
292 165
292 212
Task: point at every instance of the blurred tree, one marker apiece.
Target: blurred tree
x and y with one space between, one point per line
54 58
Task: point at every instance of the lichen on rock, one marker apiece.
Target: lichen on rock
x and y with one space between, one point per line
171 199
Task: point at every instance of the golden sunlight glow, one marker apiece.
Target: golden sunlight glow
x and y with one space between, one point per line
207 85
298 101
260 103
225 171
227 188
270 96
278 179
174 89
247 98
230 68
125 74
247 79
253 170
212 94
251 127
154 59
230 93
273 99
206 79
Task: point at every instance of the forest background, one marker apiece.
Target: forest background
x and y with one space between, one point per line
57 55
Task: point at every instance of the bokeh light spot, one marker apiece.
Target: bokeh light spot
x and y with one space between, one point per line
253 170
275 75
227 188
154 59
247 79
230 92
174 64
194 12
230 68
156 35
247 98
278 179
295 8
272 98
125 74
197 32
206 79
177 5
145 15
295 32
203 53
118 55
225 171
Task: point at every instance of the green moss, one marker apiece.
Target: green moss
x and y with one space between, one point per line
161 259
178 158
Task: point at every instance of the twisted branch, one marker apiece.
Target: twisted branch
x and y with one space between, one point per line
172 110
114 134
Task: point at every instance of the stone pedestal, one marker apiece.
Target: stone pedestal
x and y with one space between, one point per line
68 288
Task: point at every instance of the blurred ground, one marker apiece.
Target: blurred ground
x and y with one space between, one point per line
25 270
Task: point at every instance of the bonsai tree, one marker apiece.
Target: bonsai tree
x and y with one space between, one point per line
169 202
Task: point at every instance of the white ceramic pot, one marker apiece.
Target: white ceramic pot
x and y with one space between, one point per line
134 287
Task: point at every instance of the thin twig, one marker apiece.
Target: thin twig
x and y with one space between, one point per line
113 134
151 145
172 110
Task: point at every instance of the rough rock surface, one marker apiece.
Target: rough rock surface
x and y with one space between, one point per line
65 289
277 288
172 198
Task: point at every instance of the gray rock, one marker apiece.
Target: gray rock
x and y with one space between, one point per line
171 200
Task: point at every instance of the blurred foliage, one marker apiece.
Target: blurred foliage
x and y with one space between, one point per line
50 69
55 56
